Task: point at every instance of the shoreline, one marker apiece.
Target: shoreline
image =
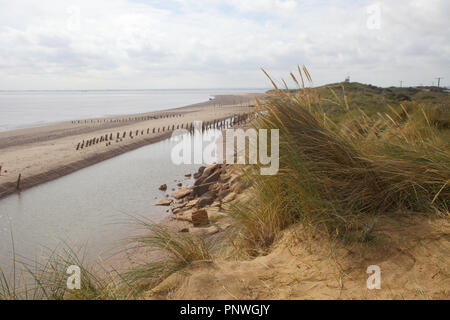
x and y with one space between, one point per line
41 154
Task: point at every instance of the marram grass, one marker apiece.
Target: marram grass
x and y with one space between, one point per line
338 166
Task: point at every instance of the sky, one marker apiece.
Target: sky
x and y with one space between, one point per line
154 44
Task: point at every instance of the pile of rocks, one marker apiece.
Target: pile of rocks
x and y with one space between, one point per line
201 204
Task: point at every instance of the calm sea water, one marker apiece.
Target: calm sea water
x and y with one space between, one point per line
20 109
92 207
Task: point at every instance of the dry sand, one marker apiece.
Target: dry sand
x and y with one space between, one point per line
412 251
44 153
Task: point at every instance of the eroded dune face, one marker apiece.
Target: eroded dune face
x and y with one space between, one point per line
412 253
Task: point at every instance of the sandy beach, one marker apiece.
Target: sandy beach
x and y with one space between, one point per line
45 153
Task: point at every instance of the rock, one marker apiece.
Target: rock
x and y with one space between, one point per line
215 215
202 184
216 204
199 217
184 216
181 193
188 175
179 184
191 203
202 232
229 197
209 169
214 177
236 187
164 202
222 194
224 178
177 205
206 199
184 230
163 187
199 173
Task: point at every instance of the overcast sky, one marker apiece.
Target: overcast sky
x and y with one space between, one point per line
125 44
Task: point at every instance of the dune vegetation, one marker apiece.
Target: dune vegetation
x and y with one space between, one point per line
348 152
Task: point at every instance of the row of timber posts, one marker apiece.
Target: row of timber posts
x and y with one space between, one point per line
215 124
142 118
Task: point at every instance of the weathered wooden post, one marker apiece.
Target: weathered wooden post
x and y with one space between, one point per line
18 182
78 147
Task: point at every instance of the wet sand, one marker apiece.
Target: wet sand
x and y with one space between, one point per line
45 153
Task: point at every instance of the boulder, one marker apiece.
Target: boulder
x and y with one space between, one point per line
202 184
163 187
209 169
177 205
188 175
164 202
216 204
191 203
184 216
202 232
199 173
199 217
214 214
206 199
236 187
229 197
181 193
224 178
222 194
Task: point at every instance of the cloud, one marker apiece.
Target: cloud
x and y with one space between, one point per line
187 43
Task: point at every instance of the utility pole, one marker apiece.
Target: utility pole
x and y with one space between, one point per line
439 80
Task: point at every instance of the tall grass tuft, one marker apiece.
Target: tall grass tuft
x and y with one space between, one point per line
175 250
333 169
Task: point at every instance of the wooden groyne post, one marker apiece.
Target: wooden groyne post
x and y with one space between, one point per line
18 182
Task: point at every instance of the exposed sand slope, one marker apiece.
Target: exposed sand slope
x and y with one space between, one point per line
44 153
413 254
